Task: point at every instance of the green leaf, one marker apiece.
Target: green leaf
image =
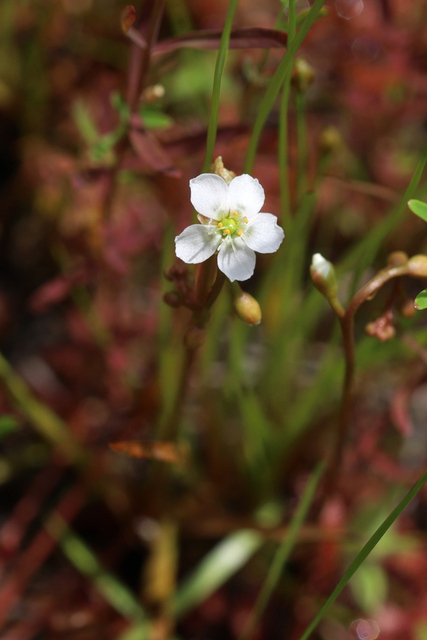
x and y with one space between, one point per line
421 300
230 555
370 587
419 208
84 122
7 424
155 119
84 560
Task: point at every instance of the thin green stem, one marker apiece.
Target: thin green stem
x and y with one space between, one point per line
216 90
285 200
277 82
302 146
283 553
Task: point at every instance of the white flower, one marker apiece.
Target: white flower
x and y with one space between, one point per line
231 223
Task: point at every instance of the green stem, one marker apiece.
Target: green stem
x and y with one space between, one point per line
302 145
277 82
285 200
283 553
216 90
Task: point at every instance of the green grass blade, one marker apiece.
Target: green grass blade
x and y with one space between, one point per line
277 81
364 253
230 555
364 553
216 90
283 552
285 200
80 555
48 424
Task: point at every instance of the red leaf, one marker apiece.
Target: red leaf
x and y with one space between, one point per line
148 148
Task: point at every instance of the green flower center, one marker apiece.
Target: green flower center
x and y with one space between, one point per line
231 224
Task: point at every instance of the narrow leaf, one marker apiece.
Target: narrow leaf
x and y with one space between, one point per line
364 553
215 569
283 553
81 556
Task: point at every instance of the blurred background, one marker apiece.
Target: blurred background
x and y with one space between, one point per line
132 506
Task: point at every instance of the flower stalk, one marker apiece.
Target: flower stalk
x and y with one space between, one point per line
399 265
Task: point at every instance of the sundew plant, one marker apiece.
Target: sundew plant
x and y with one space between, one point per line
213 295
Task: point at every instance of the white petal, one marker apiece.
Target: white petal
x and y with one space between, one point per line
263 234
197 243
245 195
235 259
209 195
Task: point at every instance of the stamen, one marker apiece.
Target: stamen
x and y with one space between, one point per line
226 231
234 213
220 225
239 233
246 220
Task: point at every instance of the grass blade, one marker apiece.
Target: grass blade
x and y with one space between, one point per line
217 567
216 89
277 81
283 552
364 553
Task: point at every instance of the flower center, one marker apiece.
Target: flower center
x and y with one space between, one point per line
230 224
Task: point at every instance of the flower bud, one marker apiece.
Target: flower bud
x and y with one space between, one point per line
153 93
220 170
330 141
173 299
303 75
397 259
323 276
247 308
417 266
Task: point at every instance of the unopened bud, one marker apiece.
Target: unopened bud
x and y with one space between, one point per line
153 93
397 259
417 266
220 170
330 141
323 276
303 75
173 299
382 328
194 337
247 308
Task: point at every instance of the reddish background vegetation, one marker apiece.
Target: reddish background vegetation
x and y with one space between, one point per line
82 252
